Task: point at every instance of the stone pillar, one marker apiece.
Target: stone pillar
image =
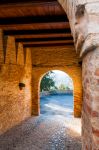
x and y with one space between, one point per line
1 48
87 44
84 21
90 113
75 73
27 79
35 95
77 95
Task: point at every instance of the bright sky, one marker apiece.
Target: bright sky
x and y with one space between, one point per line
62 78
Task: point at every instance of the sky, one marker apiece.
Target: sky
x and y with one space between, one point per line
61 77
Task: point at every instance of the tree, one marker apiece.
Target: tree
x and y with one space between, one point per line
67 88
62 87
47 82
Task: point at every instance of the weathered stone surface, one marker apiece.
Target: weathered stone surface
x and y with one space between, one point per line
15 103
97 72
84 19
1 47
91 101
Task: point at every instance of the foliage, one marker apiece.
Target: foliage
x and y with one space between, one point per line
47 83
62 87
68 88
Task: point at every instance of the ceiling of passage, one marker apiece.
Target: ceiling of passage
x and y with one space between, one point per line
35 22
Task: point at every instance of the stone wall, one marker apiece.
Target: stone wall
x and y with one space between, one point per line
83 17
15 103
90 115
56 58
84 21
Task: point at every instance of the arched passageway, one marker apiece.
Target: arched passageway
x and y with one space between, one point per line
82 15
56 94
77 90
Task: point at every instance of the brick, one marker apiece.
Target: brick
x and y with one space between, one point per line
95 131
97 72
95 114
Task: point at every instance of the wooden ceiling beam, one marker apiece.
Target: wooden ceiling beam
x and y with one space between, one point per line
33 19
39 22
48 45
5 2
43 35
47 42
37 32
35 26
45 39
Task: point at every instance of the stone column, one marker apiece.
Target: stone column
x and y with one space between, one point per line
90 112
77 95
87 44
1 48
84 21
28 82
35 95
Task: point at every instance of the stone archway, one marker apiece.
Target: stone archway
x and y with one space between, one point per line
83 16
74 73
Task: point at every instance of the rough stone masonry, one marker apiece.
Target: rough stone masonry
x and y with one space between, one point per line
84 21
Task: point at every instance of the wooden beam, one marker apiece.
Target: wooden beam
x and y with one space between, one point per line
31 26
37 32
44 39
43 35
21 8
47 42
33 19
5 2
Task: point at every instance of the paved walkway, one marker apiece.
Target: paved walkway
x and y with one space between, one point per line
43 133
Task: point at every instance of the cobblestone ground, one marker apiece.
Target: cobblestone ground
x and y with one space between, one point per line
43 133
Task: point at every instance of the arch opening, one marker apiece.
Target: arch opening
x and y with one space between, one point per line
56 94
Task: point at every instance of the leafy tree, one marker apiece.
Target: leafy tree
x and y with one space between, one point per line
62 87
67 88
47 82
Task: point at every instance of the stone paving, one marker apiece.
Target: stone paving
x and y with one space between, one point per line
43 133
